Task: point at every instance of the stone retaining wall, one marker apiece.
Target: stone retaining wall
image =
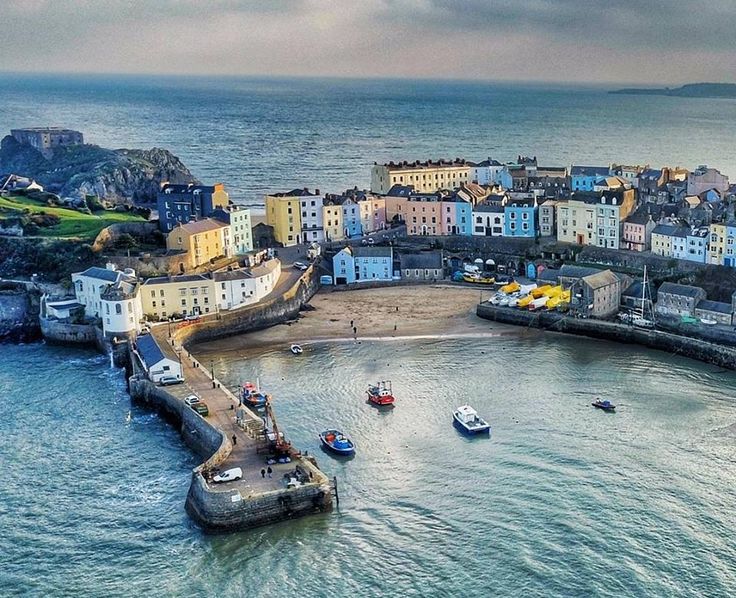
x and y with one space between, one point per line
694 348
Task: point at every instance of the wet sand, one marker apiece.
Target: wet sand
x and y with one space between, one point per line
389 313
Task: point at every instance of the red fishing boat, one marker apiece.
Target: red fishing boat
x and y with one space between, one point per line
381 394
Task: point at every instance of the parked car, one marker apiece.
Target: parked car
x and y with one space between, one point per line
169 380
371 241
300 266
201 408
193 318
191 400
229 475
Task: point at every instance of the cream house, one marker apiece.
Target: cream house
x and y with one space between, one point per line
425 177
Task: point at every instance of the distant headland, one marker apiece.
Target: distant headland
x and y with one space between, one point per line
691 90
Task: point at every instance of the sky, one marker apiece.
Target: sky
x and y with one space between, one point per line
597 41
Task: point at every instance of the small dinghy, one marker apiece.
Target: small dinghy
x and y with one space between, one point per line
604 405
337 442
296 349
466 420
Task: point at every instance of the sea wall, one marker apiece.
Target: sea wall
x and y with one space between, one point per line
224 511
694 348
65 333
236 507
263 314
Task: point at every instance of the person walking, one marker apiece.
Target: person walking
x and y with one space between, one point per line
270 471
235 440
263 473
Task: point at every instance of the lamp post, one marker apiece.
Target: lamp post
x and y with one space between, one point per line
212 371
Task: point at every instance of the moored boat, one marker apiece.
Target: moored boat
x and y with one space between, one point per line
381 394
604 405
251 395
296 349
466 419
337 442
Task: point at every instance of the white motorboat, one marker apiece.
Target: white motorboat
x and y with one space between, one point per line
296 349
466 419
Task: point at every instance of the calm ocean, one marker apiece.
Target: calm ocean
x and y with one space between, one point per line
562 500
259 135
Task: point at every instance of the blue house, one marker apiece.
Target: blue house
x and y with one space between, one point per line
729 257
351 219
464 218
179 204
520 218
697 243
356 264
582 178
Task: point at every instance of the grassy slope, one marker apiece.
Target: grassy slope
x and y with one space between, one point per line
73 224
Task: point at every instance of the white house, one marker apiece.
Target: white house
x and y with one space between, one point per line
157 361
488 220
486 172
241 236
122 311
312 219
90 285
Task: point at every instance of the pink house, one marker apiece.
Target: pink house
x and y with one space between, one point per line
637 231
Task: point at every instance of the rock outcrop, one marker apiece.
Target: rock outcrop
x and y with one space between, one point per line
119 176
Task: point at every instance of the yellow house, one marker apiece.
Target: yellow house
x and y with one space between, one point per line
332 221
283 212
425 177
187 295
203 241
717 245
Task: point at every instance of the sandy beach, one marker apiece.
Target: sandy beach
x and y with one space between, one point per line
388 313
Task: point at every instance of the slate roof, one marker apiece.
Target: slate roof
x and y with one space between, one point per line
639 217
489 162
101 274
239 274
400 191
180 278
667 230
680 289
714 306
650 173
293 193
421 261
488 207
372 251
589 171
149 350
568 271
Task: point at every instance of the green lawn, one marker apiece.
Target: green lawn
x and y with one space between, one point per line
73 224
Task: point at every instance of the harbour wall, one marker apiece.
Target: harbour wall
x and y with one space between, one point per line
674 344
263 314
65 333
235 508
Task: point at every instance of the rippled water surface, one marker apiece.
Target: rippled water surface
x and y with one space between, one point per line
560 500
259 135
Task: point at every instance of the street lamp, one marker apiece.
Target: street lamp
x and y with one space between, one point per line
212 371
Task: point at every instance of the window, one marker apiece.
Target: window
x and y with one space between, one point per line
183 302
153 294
118 309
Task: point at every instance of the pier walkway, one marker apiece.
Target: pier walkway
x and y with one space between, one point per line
250 449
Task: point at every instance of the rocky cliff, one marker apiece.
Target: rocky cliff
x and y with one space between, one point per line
119 176
18 314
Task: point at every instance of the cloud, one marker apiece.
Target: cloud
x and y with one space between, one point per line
557 40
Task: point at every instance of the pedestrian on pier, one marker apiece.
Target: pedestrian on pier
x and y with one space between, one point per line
235 440
270 471
263 473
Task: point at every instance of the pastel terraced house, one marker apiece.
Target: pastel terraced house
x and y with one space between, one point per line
332 219
637 231
583 178
520 218
590 218
357 264
283 213
312 223
203 241
457 216
425 177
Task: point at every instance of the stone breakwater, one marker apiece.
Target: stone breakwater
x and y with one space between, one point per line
674 344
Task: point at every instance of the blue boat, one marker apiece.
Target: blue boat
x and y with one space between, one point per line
337 442
466 420
604 405
250 395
